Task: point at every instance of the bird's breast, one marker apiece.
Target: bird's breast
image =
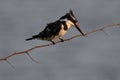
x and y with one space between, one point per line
61 33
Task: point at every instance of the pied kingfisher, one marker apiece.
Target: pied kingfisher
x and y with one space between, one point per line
59 28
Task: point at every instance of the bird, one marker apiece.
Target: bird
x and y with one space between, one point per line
58 28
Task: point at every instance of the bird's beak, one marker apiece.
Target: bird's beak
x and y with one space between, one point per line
78 28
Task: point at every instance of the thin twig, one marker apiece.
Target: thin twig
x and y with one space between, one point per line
32 58
105 33
10 64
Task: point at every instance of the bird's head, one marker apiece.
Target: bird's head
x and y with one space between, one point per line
71 20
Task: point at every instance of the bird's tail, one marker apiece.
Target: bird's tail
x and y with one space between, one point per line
33 37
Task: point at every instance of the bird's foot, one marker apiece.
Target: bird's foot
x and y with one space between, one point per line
61 40
53 42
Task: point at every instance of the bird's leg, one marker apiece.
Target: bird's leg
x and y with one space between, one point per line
61 40
52 42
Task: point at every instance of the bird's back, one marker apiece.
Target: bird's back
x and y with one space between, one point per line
51 30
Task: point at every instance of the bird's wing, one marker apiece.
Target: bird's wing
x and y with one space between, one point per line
52 29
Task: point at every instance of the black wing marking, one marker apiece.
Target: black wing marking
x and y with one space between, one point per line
51 30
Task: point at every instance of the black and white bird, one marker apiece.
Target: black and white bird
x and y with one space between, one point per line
59 28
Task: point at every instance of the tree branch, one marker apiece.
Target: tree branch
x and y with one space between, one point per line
45 45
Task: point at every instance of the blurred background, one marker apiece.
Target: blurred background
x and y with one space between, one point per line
95 57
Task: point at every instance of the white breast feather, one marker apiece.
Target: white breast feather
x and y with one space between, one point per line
62 31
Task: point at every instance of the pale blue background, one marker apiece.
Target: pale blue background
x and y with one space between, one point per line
96 57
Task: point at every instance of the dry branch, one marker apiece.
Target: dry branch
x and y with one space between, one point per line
45 45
